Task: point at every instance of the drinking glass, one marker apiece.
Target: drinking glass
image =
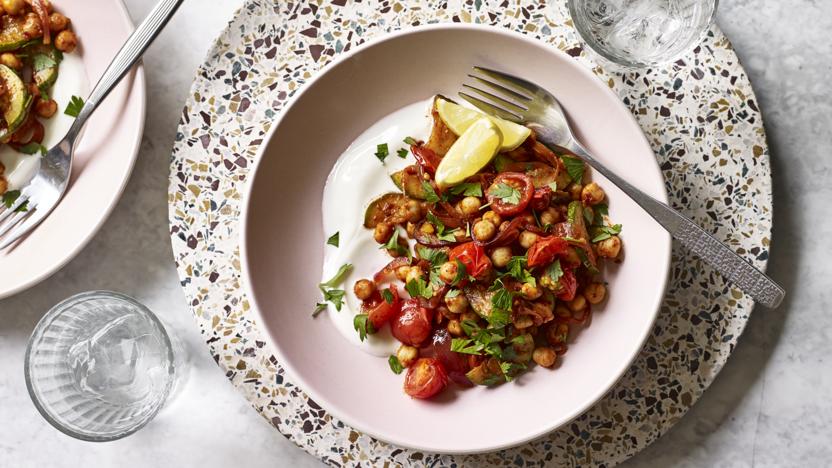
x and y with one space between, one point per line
99 366
640 33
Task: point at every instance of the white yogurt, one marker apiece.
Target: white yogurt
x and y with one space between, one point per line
72 80
357 179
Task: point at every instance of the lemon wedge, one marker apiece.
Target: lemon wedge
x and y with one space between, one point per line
470 152
459 119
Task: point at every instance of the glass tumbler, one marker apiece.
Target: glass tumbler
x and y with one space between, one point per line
99 366
642 33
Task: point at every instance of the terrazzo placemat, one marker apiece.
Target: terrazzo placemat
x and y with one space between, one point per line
699 114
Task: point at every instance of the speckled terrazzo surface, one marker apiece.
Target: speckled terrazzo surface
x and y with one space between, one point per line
699 114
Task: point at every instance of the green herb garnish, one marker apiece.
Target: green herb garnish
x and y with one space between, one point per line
402 153
506 193
554 271
600 233
395 365
517 270
410 141
461 272
334 239
10 197
393 244
363 326
33 148
574 167
387 295
331 294
468 189
418 288
430 193
382 151
73 109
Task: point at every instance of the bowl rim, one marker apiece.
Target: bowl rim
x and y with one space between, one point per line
295 376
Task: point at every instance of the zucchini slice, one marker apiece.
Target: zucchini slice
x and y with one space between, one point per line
12 35
46 60
389 208
16 101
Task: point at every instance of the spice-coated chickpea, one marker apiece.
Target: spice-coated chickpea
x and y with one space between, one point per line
530 291
544 356
577 304
414 211
402 271
527 239
448 272
457 304
11 60
47 108
493 217
484 230
574 191
469 206
66 41
595 293
592 194
32 27
501 256
383 232
415 273
609 248
58 22
455 328
12 7
407 355
550 216
363 289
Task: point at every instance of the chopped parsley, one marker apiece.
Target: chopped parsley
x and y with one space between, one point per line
600 233
511 369
393 244
387 295
468 189
436 257
330 292
574 167
73 109
33 148
452 293
336 297
402 153
382 151
430 193
395 365
506 193
554 271
419 288
10 197
334 239
410 141
441 234
363 326
517 270
461 272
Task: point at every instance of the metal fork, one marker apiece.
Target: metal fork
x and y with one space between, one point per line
520 101
46 189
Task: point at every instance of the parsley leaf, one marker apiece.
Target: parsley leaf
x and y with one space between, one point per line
517 270
452 293
468 189
554 271
402 153
336 280
600 212
418 288
334 239
395 365
430 193
600 233
466 346
23 207
461 272
589 216
574 167
506 193
449 236
363 326
410 141
393 244
511 369
73 109
319 307
336 297
387 295
33 148
436 257
382 151
10 197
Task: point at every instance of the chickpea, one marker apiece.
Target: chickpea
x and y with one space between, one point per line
58 22
523 321
550 216
12 7
530 291
484 230
527 239
556 334
578 304
609 248
592 194
562 311
66 41
448 272
544 356
493 217
402 271
383 232
32 28
469 206
46 109
574 191
363 289
469 315
415 273
454 328
407 355
10 60
501 256
457 304
414 211
595 293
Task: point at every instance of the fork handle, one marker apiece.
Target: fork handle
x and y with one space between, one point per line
733 267
130 53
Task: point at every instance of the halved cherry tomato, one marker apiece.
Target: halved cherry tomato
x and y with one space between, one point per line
517 181
455 364
473 256
545 250
567 285
541 198
412 325
380 311
425 378
428 160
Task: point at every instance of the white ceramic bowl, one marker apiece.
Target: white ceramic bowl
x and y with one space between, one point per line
283 242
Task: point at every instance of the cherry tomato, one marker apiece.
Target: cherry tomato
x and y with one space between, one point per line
473 256
567 285
545 250
541 198
425 378
427 159
505 206
380 311
455 364
412 325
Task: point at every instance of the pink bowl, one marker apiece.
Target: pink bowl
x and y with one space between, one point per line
282 241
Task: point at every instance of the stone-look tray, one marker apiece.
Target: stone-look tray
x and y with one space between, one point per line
699 114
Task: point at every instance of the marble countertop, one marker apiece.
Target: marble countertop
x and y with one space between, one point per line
768 407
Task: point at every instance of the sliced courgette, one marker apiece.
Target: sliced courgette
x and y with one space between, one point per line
12 34
46 60
487 373
390 208
16 101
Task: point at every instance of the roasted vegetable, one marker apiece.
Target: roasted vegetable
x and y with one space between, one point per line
390 207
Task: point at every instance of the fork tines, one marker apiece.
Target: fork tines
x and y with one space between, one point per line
507 97
13 215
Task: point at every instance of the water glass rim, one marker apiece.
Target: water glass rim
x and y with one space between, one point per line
43 325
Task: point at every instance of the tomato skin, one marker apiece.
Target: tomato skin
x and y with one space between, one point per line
517 180
473 256
568 285
541 198
425 378
412 325
545 250
428 160
455 364
379 311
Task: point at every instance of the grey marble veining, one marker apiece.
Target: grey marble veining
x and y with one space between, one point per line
770 406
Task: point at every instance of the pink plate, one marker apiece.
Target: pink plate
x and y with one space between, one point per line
282 241
103 160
